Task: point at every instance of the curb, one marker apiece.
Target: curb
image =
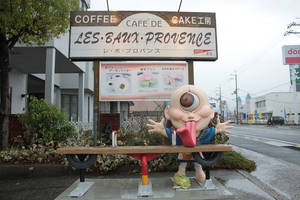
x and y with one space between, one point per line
263 186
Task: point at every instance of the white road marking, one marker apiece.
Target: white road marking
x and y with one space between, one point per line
281 130
273 142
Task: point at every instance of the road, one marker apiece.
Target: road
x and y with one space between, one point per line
278 142
34 188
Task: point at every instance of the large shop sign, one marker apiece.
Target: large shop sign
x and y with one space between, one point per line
138 81
142 35
291 54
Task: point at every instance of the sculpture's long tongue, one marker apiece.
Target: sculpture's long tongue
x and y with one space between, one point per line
188 134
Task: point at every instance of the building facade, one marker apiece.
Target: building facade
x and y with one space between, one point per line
46 72
283 104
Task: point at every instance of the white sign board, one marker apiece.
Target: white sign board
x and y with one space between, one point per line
291 54
128 35
141 81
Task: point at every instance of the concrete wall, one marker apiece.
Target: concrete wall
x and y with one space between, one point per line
18 83
288 102
57 78
69 81
62 44
88 111
57 97
89 76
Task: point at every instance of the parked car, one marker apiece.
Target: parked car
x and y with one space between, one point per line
276 120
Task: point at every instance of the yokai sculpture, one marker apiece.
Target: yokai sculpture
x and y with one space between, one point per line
189 113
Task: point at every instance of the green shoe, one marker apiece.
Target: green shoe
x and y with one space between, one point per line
181 181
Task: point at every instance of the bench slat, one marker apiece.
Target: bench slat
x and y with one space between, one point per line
144 149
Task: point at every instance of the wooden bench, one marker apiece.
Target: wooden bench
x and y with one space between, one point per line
144 149
212 153
84 157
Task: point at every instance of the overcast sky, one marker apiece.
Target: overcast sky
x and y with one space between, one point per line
250 35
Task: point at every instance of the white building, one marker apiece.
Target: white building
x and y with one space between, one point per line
284 104
46 72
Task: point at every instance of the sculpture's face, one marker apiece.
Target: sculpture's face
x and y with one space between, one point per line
189 104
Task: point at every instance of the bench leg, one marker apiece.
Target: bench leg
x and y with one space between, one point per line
207 173
208 184
145 186
81 171
82 186
81 175
81 163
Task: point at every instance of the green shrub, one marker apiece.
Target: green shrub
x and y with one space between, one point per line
141 139
45 122
106 164
235 160
43 153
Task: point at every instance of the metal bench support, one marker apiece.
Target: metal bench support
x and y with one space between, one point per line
208 184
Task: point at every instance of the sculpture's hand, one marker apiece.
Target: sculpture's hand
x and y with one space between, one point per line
223 127
157 127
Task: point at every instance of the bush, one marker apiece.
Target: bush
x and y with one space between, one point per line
45 123
234 160
35 154
106 164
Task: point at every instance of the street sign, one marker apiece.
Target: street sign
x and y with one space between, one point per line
291 54
142 35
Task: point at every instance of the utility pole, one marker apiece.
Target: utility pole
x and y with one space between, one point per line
236 99
220 104
293 24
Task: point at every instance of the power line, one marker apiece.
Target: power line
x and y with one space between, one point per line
277 86
107 5
293 24
179 5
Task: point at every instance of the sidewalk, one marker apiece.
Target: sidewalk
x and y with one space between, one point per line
230 183
278 177
273 179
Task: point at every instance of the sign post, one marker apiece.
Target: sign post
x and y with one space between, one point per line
96 116
140 36
191 72
291 57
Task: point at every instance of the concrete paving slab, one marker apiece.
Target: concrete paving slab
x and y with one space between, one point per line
240 186
128 188
247 189
279 178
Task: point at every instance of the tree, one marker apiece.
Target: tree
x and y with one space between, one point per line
29 22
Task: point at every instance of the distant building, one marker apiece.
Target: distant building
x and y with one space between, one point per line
284 104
